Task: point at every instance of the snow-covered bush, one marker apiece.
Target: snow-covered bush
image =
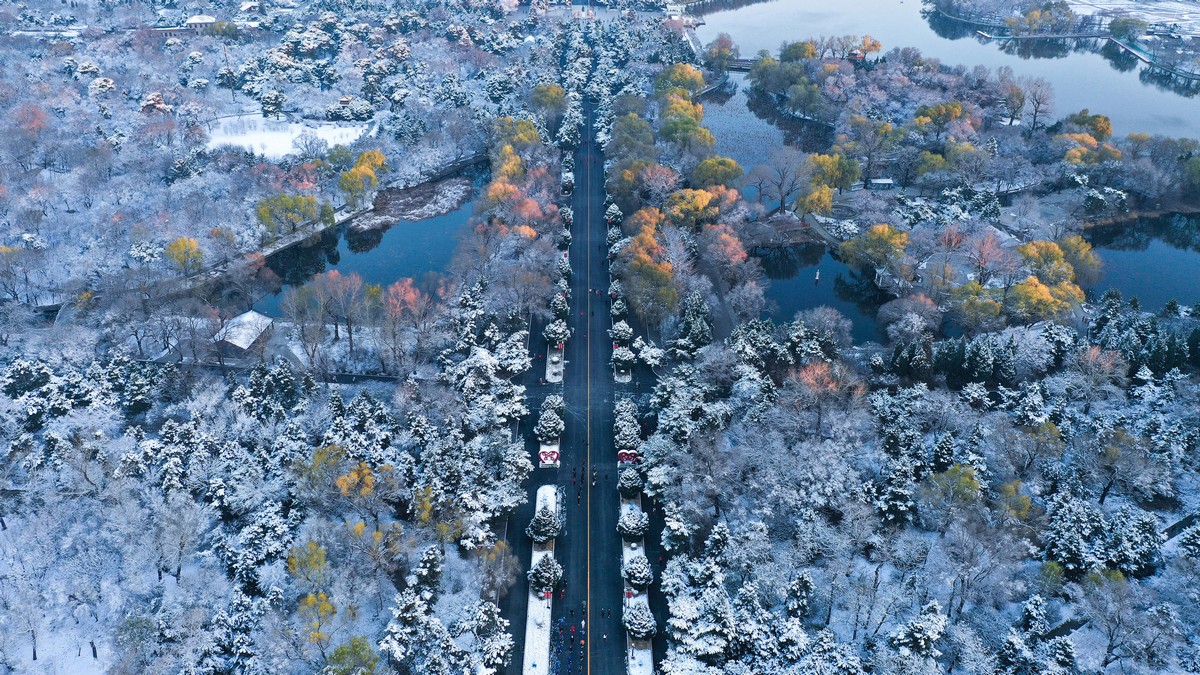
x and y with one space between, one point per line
639 622
545 576
650 353
546 525
633 524
623 358
629 482
557 332
637 572
621 333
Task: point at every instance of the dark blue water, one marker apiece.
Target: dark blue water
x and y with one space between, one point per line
413 249
1154 260
794 287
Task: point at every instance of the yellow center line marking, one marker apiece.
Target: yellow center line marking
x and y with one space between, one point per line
588 343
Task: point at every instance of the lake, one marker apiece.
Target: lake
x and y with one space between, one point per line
409 248
1153 260
794 287
1081 78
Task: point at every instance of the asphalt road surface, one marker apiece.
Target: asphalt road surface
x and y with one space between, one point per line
589 548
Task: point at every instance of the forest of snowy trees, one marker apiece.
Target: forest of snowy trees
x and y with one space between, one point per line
1019 498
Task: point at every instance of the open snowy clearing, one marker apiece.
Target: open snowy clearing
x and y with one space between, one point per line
273 138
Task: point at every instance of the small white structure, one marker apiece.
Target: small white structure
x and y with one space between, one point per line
881 184
199 22
242 332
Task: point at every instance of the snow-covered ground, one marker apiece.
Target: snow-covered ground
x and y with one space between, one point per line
640 658
554 365
273 138
1185 14
537 619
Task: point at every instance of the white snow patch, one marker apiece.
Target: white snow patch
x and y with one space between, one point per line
273 138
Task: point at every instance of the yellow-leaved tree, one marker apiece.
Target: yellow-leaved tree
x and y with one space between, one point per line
315 612
358 182
308 564
882 246
185 254
1032 300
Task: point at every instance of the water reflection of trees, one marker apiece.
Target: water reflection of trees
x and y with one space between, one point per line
1121 60
785 262
1182 232
808 136
361 242
705 7
859 289
1168 81
297 264
947 27
721 95
1118 58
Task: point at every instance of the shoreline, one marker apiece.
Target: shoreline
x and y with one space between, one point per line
1138 214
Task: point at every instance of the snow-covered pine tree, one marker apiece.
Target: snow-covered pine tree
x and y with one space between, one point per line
799 592
944 453
633 524
545 525
639 622
1004 367
1074 535
637 572
493 644
428 572
696 331
550 426
545 575
1134 541
626 430
918 637
629 482
895 502
1189 542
